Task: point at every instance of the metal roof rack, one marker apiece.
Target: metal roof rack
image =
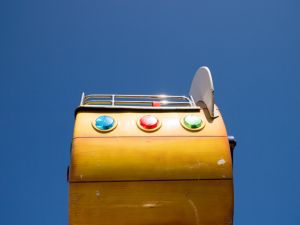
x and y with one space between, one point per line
136 101
201 96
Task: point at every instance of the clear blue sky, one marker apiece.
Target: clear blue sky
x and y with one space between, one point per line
51 51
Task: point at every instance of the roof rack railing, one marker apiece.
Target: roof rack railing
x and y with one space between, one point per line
114 100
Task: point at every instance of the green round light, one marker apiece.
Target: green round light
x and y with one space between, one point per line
192 122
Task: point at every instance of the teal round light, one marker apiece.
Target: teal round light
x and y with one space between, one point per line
192 121
104 122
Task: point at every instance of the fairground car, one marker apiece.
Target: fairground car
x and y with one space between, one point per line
151 160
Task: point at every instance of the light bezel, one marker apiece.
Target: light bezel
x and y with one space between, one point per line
192 129
159 124
104 131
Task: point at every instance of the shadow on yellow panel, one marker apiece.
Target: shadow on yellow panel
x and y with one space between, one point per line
190 202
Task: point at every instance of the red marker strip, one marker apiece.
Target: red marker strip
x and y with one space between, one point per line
156 104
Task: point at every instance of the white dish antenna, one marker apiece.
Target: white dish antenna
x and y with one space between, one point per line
202 90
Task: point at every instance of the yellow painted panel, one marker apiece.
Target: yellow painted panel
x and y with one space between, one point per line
193 202
127 124
150 158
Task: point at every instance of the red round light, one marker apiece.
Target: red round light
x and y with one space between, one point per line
149 122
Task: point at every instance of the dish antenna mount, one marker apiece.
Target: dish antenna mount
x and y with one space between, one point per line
202 90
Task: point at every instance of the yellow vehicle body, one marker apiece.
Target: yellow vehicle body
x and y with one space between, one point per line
170 176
